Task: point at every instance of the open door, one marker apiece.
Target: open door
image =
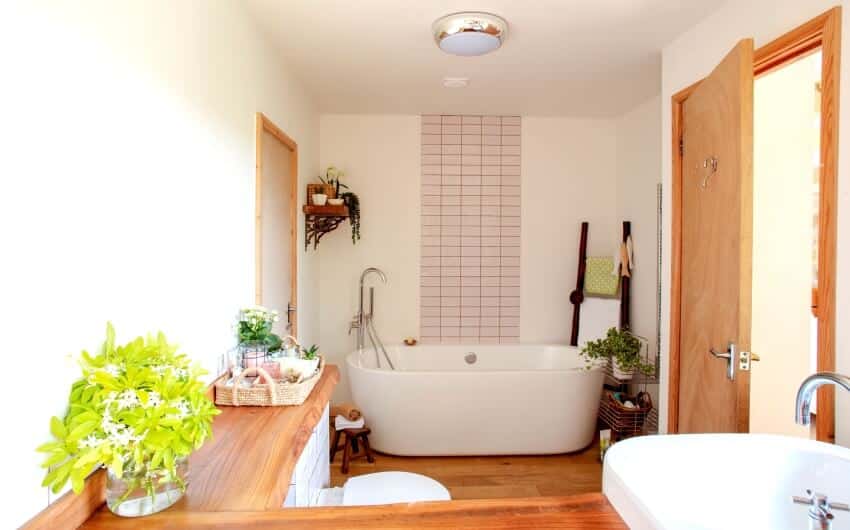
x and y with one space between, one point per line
716 248
276 247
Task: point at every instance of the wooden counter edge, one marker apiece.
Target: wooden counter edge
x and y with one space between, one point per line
589 511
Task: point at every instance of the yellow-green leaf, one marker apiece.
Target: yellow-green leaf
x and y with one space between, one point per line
57 428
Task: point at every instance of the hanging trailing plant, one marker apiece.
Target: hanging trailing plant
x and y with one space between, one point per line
352 201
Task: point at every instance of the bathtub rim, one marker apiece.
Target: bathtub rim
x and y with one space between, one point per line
596 366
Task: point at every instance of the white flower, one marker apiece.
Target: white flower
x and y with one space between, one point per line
154 400
128 399
90 441
112 370
182 406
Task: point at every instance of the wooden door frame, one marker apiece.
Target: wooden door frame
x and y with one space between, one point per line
263 124
824 33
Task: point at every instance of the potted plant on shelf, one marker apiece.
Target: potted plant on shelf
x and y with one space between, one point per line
139 410
333 183
256 339
622 349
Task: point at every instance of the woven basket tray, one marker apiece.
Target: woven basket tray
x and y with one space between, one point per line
272 393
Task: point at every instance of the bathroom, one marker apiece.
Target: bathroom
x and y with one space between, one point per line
142 117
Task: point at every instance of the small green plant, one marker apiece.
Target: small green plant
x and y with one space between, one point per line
138 409
352 201
310 353
620 346
255 325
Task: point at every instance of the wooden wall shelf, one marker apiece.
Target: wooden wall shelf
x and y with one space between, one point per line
319 220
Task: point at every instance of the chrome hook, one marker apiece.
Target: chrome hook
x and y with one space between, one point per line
710 164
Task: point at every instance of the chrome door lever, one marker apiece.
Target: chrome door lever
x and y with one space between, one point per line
731 356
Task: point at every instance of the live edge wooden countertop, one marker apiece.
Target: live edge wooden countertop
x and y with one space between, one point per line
240 478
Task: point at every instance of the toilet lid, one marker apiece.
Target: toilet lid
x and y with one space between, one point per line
391 487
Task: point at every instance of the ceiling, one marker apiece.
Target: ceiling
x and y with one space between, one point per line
583 58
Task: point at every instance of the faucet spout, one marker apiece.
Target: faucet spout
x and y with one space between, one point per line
802 410
372 270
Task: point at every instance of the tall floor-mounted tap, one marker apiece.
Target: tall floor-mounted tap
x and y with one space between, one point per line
363 321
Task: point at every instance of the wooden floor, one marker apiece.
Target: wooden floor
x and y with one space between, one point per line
493 477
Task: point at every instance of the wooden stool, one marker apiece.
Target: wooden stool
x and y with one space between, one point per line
353 438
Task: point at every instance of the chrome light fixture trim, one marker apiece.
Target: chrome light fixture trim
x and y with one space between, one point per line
470 33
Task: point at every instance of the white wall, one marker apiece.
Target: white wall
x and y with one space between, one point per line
127 173
638 175
689 58
568 175
380 155
786 134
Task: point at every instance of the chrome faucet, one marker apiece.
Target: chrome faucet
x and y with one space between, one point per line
802 410
361 319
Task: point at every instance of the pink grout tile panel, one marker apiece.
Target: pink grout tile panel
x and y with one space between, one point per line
471 225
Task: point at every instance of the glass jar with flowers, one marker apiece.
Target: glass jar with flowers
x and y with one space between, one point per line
256 339
139 410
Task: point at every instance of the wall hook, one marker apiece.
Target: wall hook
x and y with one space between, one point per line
710 165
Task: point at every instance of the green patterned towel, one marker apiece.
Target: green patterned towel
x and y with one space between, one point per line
599 279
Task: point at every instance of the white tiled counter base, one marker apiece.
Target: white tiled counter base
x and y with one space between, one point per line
312 471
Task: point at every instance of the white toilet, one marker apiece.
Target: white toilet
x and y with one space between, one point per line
388 487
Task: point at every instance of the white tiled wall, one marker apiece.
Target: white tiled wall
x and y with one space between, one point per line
470 229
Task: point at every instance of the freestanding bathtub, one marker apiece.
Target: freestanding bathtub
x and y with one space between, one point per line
477 399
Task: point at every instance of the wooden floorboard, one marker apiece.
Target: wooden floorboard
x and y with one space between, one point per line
493 477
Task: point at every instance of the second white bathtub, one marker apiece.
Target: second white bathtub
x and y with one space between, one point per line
477 400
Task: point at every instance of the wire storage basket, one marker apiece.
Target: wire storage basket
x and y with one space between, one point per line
623 420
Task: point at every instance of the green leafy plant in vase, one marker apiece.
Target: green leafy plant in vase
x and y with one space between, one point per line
254 332
140 409
622 349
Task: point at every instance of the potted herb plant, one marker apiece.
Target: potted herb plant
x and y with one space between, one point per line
622 349
139 410
254 332
305 364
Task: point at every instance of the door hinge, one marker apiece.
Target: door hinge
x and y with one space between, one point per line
681 147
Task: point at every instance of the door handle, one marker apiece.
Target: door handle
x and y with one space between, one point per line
731 357
289 310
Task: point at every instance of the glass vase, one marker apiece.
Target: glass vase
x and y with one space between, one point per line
140 492
253 353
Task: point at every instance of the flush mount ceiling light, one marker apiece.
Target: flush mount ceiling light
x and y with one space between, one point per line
470 33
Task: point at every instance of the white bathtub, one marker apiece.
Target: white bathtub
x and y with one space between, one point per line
514 400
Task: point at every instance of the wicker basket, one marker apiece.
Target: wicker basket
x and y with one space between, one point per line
621 419
272 393
327 189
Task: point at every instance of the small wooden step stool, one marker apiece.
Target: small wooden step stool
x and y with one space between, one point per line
350 450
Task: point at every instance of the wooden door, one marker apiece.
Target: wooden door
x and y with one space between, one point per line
716 245
276 204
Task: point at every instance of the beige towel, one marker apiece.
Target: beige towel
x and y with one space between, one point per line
625 263
348 411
